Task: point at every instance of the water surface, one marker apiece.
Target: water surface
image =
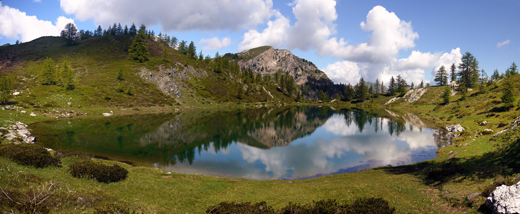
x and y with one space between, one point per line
284 143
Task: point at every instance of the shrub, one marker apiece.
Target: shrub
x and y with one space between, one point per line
330 206
370 205
29 155
113 208
101 172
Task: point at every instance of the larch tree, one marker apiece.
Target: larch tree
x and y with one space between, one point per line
138 50
453 72
509 92
441 77
192 50
6 87
70 33
48 73
468 71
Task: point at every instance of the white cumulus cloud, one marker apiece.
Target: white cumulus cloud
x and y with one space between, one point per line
274 35
16 24
214 43
177 15
500 44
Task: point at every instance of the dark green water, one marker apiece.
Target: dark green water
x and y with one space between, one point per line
265 143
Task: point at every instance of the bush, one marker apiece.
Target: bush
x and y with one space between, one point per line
363 205
247 207
101 172
444 172
113 208
29 155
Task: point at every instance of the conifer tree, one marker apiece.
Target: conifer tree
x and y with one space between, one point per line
70 33
48 72
376 87
165 56
468 71
392 87
441 77
138 50
67 77
495 75
361 90
447 94
508 92
99 31
347 96
120 75
453 72
192 50
133 30
183 48
125 31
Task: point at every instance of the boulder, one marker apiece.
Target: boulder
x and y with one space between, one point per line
33 114
454 85
473 195
107 114
23 112
483 123
455 128
487 131
392 100
505 199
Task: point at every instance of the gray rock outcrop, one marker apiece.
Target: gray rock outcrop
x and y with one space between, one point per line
392 100
169 80
505 199
414 95
455 128
18 131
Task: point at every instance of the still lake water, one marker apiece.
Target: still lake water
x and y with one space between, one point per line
265 143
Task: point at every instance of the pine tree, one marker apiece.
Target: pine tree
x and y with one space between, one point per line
99 31
468 71
17 42
133 30
441 77
183 48
421 85
447 94
67 77
508 92
382 87
138 50
376 87
125 31
453 72
347 96
495 75
392 87
70 33
120 75
512 70
6 88
201 57
412 86
361 90
192 50
165 56
48 72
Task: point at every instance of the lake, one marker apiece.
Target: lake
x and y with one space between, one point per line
261 143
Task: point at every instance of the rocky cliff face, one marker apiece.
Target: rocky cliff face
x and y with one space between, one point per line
272 60
169 80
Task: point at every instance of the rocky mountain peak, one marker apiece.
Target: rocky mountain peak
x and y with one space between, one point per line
267 60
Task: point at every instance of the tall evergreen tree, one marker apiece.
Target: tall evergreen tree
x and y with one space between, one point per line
468 71
453 72
447 94
48 73
421 85
119 30
125 31
441 77
165 55
70 33
376 87
99 31
138 50
495 75
67 77
393 86
192 50
143 27
349 93
509 92
183 48
401 85
512 70
361 90
133 30
382 87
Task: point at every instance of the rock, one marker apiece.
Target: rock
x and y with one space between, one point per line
16 93
392 100
20 125
29 139
33 114
69 103
80 200
454 85
414 95
23 112
483 123
24 133
505 199
500 132
473 195
107 114
455 128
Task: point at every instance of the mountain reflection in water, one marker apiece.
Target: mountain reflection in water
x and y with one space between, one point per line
284 143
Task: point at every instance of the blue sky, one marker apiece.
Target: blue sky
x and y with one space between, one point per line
346 39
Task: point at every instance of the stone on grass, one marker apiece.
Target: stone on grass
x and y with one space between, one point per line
505 199
455 128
